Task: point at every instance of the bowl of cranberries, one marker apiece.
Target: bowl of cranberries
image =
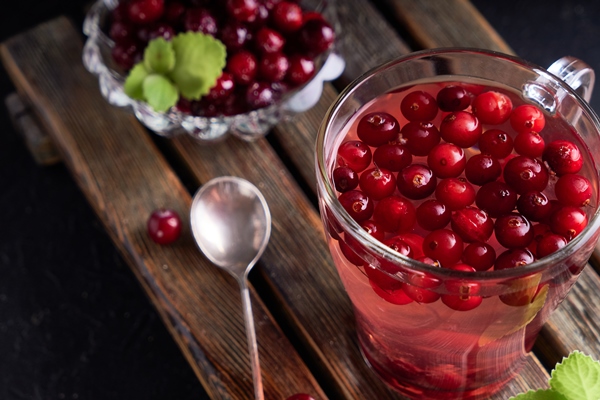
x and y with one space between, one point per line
278 53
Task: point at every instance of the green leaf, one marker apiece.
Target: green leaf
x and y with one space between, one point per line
159 56
199 61
542 394
577 377
133 86
160 93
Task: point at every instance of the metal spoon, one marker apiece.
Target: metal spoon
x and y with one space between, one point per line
231 223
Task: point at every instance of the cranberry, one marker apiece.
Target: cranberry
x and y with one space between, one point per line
273 67
568 221
530 144
461 128
382 279
222 89
397 296
534 205
301 69
357 204
121 31
466 297
242 10
350 246
200 20
416 181
513 231
126 54
527 118
497 143
164 226
420 294
242 66
524 174
455 193
310 15
573 190
433 214
300 396
392 156
480 256
174 12
395 214
492 107
268 40
446 160
496 198
399 246
472 224
420 137
234 35
377 128
373 229
563 157
355 155
513 258
161 30
259 95
350 254
377 183
420 283
316 36
549 244
344 179
287 16
453 98
145 11
414 241
119 13
419 106
482 168
443 245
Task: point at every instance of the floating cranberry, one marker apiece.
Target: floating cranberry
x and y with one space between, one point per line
568 221
530 144
145 11
480 256
465 297
416 181
357 204
420 284
397 296
355 155
344 179
420 137
563 157
395 214
495 142
419 106
534 205
273 67
268 40
382 279
472 224
513 258
461 128
164 226
373 229
573 190
433 214
550 244
496 198
350 254
302 68
492 107
200 20
377 128
287 16
242 10
447 160
414 241
316 36
455 193
513 231
377 183
453 98
392 156
525 174
443 245
527 118
482 168
242 66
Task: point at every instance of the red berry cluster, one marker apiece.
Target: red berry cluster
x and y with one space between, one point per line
271 45
457 193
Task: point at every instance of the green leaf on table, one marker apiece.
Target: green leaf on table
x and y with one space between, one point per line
199 61
542 394
577 377
160 93
159 56
133 86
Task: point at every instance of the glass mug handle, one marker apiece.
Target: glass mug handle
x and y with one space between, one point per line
575 73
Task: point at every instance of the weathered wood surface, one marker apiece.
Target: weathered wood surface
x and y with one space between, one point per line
124 177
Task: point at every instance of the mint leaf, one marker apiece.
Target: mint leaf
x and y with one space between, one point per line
133 86
159 56
542 394
159 92
199 61
577 377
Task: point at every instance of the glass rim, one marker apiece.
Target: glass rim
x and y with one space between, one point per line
328 193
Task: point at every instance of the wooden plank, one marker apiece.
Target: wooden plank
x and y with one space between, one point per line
124 177
458 23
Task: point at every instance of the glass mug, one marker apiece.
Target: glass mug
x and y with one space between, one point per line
427 328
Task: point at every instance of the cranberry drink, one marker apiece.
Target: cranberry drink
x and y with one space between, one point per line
469 179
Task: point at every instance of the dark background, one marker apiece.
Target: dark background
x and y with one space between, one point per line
74 322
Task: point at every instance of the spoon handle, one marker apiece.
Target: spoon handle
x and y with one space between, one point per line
252 345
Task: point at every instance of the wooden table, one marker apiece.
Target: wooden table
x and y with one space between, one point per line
304 319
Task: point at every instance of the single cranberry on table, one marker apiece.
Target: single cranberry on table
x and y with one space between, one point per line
164 226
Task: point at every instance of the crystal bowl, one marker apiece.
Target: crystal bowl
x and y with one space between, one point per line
247 126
